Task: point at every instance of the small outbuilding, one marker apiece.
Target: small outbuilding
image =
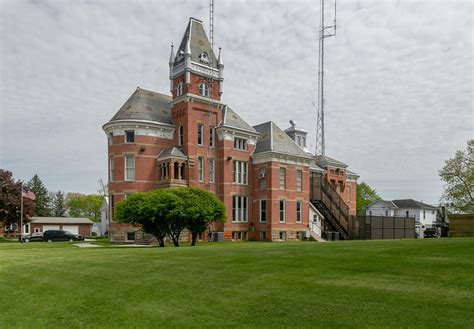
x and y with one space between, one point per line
81 226
461 225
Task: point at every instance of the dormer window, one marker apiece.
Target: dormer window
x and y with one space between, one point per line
204 90
179 89
203 57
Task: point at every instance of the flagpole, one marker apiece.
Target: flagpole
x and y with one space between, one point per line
21 214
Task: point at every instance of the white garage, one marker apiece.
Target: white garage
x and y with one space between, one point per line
79 226
50 227
74 229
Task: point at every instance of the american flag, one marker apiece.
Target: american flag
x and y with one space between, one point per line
28 194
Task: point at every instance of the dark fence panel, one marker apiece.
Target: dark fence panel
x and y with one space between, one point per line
384 227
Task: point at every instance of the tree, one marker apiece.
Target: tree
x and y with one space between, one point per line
151 210
458 176
84 205
168 211
365 196
10 200
200 208
42 206
59 206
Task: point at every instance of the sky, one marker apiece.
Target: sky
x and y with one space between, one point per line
398 80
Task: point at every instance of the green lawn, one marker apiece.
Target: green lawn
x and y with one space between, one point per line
412 283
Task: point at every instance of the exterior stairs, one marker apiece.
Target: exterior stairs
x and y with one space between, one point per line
330 204
316 237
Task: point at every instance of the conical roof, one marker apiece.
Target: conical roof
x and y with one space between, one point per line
201 51
145 105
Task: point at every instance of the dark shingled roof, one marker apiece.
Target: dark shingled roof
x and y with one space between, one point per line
324 161
232 119
272 138
410 203
146 105
173 152
199 43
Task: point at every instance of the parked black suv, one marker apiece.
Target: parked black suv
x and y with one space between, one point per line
431 232
60 235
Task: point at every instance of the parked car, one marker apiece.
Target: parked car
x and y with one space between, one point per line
35 237
60 235
431 232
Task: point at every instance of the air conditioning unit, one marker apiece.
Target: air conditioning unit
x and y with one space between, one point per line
261 175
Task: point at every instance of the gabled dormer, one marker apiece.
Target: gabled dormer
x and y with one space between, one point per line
194 69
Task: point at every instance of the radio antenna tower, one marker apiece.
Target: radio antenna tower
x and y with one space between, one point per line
211 23
325 31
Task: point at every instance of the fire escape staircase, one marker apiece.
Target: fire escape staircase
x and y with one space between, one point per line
326 199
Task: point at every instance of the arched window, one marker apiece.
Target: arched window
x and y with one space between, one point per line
204 90
180 135
179 89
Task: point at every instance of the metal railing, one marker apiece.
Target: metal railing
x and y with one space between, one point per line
322 190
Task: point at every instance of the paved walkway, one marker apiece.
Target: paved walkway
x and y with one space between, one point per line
86 245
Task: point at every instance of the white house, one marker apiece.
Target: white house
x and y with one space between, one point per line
104 216
381 208
423 213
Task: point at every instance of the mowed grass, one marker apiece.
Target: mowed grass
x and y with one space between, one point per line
394 284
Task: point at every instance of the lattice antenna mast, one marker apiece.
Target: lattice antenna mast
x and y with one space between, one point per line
211 23
325 31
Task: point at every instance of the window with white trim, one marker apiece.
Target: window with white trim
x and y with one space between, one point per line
282 211
111 138
240 144
129 167
263 211
240 172
129 136
239 208
282 178
212 163
200 134
181 135
212 132
204 89
201 169
179 89
299 180
111 169
298 211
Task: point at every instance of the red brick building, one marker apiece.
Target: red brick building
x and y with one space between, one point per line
272 187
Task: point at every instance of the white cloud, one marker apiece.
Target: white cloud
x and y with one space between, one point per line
399 89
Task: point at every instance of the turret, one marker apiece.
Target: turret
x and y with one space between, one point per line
171 64
220 66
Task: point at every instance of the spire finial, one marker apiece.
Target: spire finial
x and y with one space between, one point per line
220 63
